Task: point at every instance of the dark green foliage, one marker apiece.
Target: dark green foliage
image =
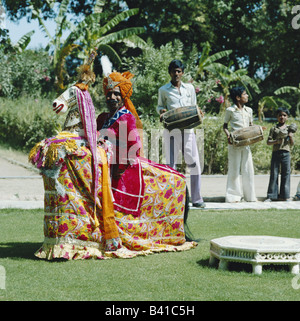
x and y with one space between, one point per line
24 121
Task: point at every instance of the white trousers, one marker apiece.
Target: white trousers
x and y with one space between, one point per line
176 141
298 189
240 163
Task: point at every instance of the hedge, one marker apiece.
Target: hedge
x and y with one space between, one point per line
25 121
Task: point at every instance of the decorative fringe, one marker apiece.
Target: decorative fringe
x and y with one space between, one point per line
85 74
51 155
46 152
33 153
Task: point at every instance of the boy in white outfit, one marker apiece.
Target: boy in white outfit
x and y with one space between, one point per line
239 158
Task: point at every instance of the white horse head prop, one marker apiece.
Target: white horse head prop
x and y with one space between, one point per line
66 100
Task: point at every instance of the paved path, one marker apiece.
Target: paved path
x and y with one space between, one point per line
21 186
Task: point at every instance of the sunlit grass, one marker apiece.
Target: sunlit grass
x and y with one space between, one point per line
179 276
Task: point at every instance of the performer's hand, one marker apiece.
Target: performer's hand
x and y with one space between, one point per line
117 172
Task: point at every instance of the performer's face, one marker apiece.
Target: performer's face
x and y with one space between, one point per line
114 99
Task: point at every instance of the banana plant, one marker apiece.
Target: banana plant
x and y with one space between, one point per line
227 77
206 60
290 90
270 103
23 42
86 36
91 35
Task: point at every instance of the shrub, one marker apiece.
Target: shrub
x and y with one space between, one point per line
25 121
28 73
215 145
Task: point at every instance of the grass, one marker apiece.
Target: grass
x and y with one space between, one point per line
179 276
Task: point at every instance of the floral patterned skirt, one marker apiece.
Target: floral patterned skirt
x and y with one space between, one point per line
70 227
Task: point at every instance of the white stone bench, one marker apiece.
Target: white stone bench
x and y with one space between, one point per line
256 250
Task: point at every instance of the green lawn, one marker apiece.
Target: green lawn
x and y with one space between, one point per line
180 276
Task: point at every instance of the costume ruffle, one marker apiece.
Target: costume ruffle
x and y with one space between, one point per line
83 252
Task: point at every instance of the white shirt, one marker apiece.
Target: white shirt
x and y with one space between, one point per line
238 118
169 97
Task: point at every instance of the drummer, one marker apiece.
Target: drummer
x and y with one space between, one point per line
173 95
239 158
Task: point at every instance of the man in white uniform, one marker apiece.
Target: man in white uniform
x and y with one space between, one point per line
239 158
173 95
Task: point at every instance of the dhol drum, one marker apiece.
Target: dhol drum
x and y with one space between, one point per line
292 128
283 133
182 117
247 136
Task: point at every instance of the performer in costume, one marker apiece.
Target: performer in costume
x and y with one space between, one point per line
80 221
153 195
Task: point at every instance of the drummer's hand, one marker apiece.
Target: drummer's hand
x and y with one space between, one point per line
229 140
162 111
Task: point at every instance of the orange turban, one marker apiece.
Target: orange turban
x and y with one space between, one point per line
122 81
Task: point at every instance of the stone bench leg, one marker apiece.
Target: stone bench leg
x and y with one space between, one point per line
212 261
294 268
257 269
223 265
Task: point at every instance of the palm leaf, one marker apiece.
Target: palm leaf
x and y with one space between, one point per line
203 57
206 60
119 35
268 101
217 56
24 41
98 7
60 20
116 20
81 28
246 81
42 25
111 53
287 90
221 71
135 41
